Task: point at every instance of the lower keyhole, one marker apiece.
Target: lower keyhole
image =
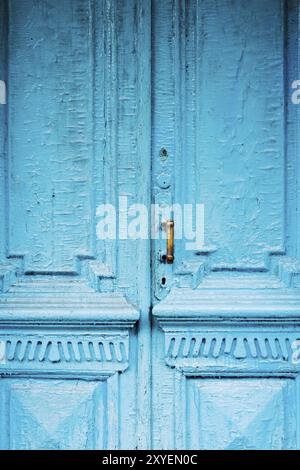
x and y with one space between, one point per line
163 281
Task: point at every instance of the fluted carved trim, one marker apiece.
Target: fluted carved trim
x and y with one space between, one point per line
61 351
232 345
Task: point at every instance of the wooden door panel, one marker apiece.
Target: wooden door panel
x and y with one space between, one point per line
241 413
74 135
50 139
227 327
220 102
53 415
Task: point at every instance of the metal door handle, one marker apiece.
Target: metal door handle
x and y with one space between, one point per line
169 227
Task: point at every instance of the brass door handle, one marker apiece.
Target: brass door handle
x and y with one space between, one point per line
169 228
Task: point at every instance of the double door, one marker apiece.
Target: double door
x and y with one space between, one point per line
121 116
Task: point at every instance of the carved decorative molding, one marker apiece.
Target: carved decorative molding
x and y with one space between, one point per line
234 345
231 329
65 349
243 305
63 302
64 325
60 351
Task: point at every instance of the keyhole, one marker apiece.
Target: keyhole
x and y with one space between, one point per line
163 281
163 154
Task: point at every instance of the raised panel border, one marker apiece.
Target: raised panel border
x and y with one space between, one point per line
180 378
215 348
281 261
62 328
110 413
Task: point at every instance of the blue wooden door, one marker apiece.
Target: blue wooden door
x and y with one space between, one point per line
74 131
225 348
177 104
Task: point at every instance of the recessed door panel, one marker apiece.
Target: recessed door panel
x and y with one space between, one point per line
241 414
